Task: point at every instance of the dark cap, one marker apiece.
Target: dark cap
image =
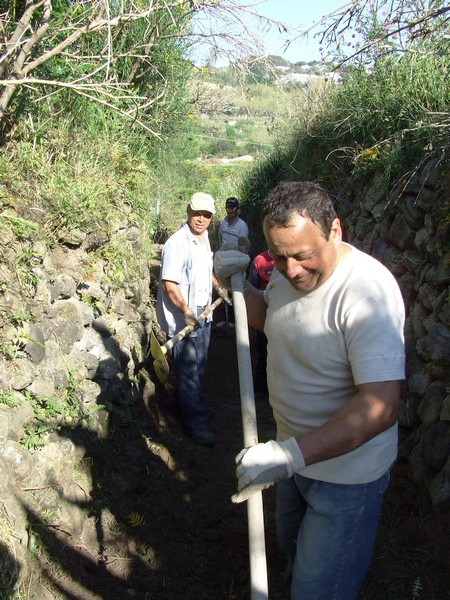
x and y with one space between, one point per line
232 201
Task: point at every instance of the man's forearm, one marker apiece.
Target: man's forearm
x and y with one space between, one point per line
173 293
372 410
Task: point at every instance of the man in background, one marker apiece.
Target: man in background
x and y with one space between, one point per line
232 227
184 291
334 318
228 232
259 276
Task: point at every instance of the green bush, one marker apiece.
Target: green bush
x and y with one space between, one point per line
389 119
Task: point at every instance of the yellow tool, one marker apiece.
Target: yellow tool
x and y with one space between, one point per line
158 352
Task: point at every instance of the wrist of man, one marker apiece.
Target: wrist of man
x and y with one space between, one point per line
295 459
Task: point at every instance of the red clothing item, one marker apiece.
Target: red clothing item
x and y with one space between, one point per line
263 265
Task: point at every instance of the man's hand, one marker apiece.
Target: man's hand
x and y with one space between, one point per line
223 293
191 320
230 259
262 465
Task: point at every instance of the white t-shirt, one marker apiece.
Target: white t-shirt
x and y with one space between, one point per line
231 233
189 263
321 344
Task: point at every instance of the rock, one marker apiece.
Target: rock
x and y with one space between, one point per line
440 489
90 291
74 237
89 392
35 346
22 415
431 405
443 314
95 240
23 374
401 233
376 192
42 386
19 460
102 326
427 295
87 313
445 413
118 302
436 346
72 515
413 216
84 363
436 445
5 421
418 381
413 260
430 174
68 324
425 199
54 365
54 463
409 414
66 286
421 474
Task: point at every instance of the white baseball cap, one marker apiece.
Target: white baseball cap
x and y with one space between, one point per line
202 201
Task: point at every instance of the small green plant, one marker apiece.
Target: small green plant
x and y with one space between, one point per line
9 399
6 351
51 413
416 591
97 305
19 318
22 228
35 433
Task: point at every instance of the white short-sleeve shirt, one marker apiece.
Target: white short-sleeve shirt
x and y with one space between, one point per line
188 263
322 344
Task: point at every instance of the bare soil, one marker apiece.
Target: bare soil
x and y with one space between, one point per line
163 527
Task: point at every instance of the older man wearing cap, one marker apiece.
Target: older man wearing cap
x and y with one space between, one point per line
184 291
232 227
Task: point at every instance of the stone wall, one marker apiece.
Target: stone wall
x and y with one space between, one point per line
72 350
406 228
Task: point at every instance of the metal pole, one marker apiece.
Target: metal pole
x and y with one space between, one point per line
255 514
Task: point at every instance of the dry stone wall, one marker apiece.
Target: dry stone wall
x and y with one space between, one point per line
406 228
72 347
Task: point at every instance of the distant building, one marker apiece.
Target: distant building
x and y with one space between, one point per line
305 78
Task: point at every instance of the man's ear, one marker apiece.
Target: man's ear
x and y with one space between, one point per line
336 230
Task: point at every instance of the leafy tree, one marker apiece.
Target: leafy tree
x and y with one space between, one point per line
130 56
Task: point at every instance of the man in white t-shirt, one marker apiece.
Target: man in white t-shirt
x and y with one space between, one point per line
184 291
232 227
334 320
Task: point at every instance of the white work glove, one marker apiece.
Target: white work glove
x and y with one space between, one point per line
230 259
191 320
262 465
223 293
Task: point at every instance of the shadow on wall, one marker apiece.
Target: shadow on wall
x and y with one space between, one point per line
9 570
110 545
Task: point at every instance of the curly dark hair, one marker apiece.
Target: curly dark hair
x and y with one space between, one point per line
302 198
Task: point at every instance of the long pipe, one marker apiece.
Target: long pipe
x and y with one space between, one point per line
255 514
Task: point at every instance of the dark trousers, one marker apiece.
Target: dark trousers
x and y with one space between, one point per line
260 376
189 356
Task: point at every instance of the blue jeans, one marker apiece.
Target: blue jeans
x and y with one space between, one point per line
189 356
327 531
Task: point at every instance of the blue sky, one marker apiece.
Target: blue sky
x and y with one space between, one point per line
300 14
